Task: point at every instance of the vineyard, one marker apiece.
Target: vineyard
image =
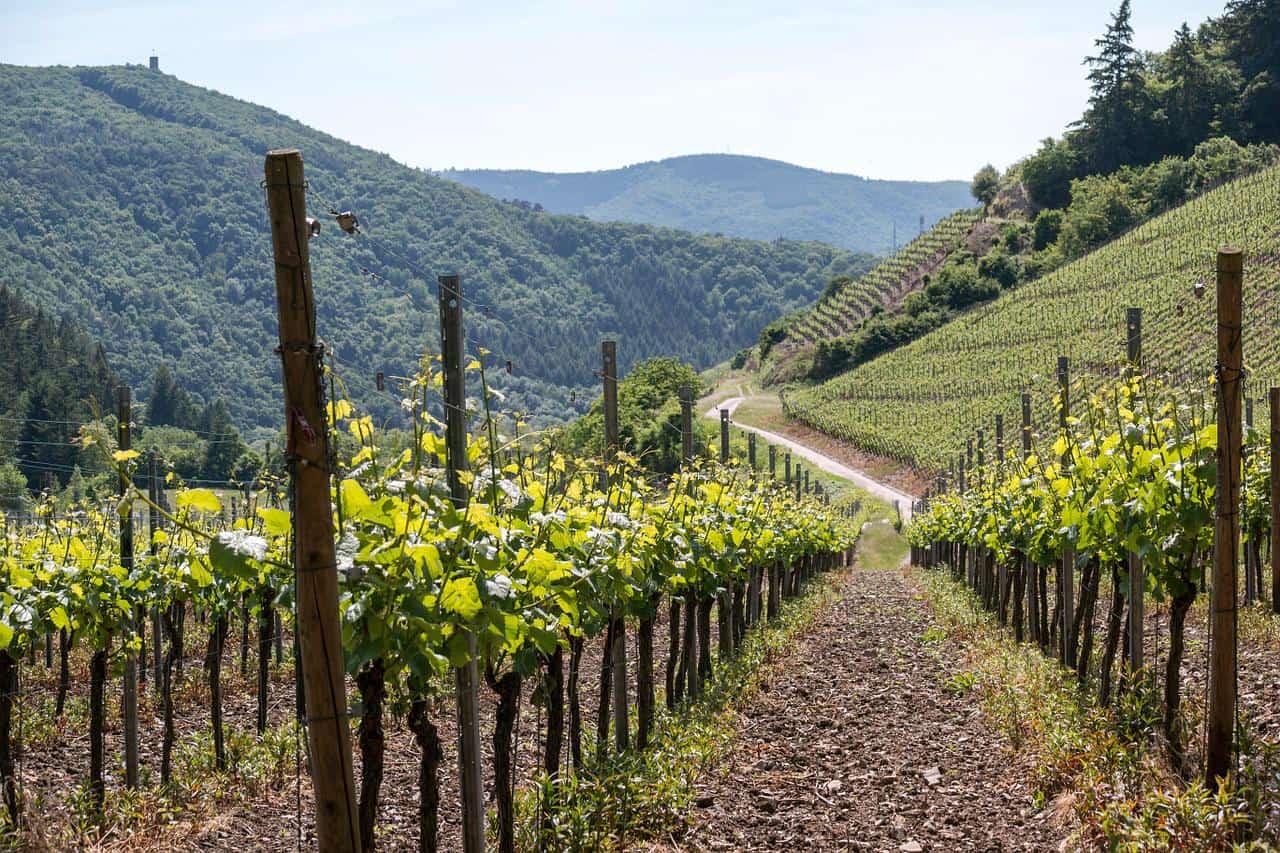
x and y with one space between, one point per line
887 282
465 553
1116 549
919 404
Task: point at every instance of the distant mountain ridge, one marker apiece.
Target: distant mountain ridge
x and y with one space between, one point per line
741 196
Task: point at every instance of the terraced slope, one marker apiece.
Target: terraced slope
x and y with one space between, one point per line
919 403
888 281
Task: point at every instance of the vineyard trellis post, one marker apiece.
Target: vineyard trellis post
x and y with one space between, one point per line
1273 401
467 679
751 450
786 467
1251 592
1137 581
618 628
773 462
129 699
153 523
1030 579
724 436
1220 722
306 429
1068 570
689 651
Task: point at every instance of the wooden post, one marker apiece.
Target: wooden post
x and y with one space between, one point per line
786 468
319 627
1028 568
751 450
724 436
1226 532
153 517
1068 574
470 776
773 462
1251 591
1273 400
686 424
1137 580
618 646
129 700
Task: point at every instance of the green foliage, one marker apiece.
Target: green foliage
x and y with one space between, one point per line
52 376
986 183
148 188
1222 80
648 416
742 196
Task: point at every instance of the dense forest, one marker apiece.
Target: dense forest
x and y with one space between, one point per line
740 196
131 201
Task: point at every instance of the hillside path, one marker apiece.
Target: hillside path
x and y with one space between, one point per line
854 743
826 463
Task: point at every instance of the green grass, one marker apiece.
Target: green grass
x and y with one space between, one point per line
881 547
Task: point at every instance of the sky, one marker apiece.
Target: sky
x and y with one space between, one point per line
912 90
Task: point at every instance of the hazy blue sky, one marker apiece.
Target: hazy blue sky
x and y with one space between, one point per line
883 89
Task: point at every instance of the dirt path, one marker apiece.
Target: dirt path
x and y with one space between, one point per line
857 745
826 463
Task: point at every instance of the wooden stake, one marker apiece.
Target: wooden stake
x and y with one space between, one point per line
686 424
609 376
1273 399
773 462
724 436
129 701
467 679
751 450
1137 580
306 428
1068 575
1226 532
153 518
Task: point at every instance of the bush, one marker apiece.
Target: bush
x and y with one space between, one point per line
1048 226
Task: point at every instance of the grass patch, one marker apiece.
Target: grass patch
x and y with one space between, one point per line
881 547
1099 765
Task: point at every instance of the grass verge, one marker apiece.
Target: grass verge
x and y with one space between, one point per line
1100 766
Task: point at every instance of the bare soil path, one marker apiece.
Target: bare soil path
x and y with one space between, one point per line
856 744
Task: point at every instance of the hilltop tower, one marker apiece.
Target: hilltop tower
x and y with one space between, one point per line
154 63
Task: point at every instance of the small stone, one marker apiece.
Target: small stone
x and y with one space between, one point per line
911 847
933 776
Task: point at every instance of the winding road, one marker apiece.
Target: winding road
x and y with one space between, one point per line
826 463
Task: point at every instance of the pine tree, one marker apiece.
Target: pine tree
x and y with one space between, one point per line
1113 124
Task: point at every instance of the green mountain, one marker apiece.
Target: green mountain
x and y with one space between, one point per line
742 196
131 202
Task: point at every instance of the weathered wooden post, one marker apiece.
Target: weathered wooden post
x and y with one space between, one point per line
751 450
689 653
1222 611
1068 572
617 634
1137 580
1273 400
319 627
153 519
724 436
129 700
467 678
1251 591
786 467
773 462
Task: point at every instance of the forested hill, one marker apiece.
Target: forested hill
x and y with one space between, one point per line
52 376
743 196
131 201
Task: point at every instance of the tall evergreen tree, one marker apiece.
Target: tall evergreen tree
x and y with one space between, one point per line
1112 127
